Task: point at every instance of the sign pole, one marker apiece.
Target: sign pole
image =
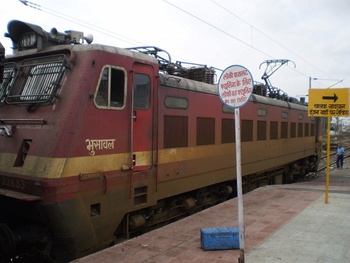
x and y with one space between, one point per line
328 156
239 184
235 88
328 103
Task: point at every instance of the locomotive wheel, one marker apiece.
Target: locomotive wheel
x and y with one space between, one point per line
7 242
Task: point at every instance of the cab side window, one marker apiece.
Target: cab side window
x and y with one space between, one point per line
111 89
142 91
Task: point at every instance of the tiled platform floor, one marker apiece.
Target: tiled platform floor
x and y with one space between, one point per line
267 211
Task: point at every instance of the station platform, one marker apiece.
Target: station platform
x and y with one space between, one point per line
283 223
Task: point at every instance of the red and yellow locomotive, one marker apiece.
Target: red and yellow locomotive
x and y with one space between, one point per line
100 143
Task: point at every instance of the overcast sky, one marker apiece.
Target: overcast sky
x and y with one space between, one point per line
314 34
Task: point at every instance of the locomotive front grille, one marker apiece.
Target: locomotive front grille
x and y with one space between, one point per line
9 73
36 80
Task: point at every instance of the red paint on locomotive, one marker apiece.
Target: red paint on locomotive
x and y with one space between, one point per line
104 157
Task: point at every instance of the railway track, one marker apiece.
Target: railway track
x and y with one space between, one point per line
333 156
345 141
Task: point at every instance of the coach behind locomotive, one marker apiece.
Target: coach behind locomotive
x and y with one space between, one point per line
107 142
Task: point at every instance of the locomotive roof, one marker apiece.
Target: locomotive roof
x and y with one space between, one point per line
117 50
187 84
166 80
105 48
192 85
278 103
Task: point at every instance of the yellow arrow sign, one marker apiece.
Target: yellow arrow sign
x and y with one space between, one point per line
328 102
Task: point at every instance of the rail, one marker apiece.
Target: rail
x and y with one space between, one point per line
333 156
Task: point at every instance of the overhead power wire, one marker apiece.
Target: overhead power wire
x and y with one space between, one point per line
132 41
81 23
264 34
243 42
253 27
215 27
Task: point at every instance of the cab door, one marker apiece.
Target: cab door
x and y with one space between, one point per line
143 103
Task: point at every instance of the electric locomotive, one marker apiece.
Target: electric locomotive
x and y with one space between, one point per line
100 143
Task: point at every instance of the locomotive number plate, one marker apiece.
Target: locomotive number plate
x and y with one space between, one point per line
12 183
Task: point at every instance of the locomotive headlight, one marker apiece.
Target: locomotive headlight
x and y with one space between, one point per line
28 39
26 36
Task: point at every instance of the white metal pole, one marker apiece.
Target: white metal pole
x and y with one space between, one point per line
239 184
